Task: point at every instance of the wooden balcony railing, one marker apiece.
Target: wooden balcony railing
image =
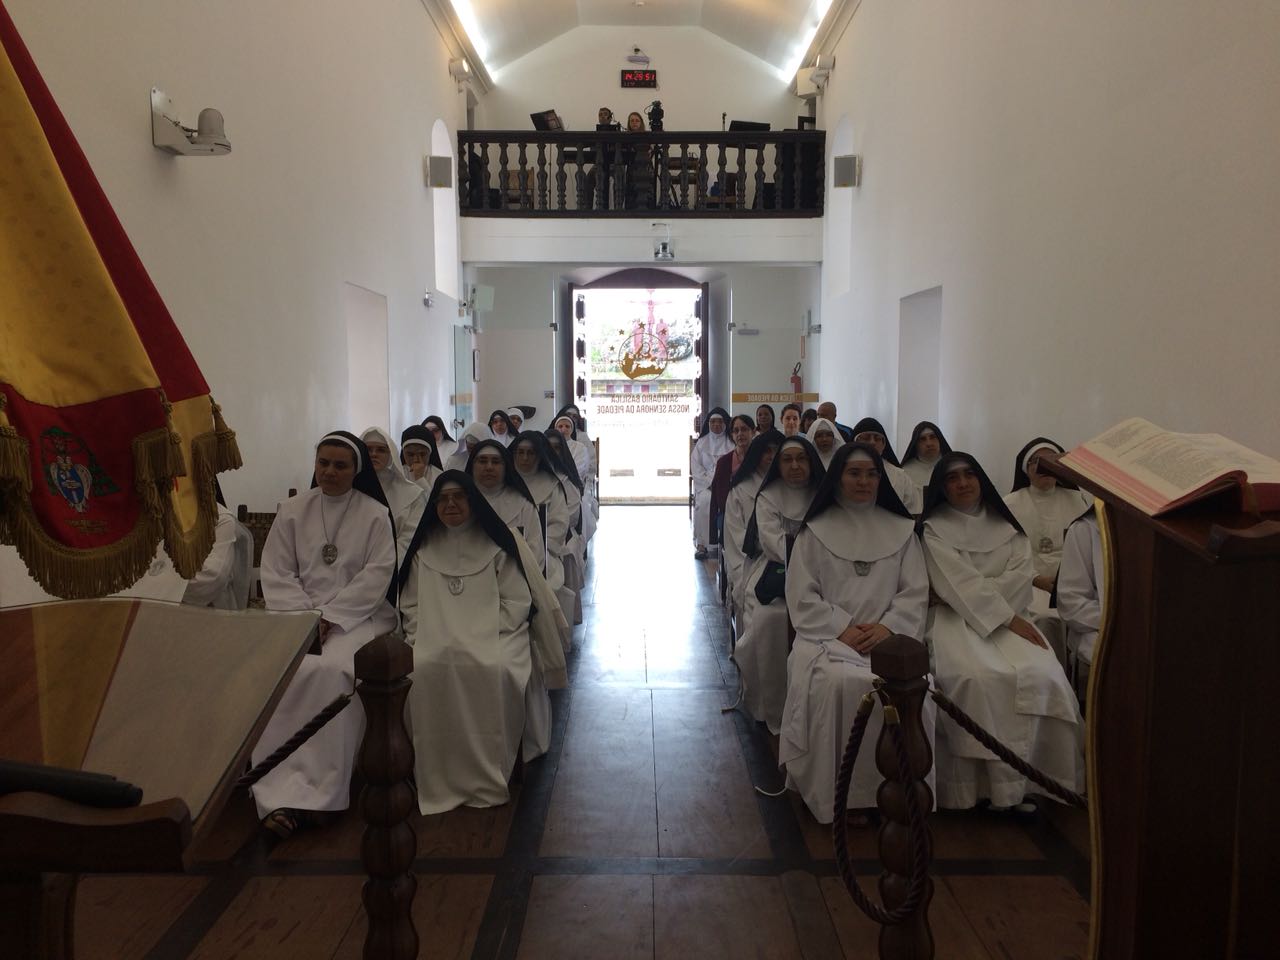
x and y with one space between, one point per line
519 173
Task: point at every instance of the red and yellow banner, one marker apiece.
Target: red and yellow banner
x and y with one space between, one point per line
109 439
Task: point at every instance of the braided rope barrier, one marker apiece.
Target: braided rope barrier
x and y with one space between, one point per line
1003 753
919 876
290 746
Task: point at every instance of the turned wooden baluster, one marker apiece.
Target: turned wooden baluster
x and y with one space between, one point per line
702 177
382 668
720 177
464 155
619 177
903 664
600 192
487 178
664 175
778 189
580 181
502 175
819 174
759 201
798 167
684 175
542 176
561 178
524 176
740 178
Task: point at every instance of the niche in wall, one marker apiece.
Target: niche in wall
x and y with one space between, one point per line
919 350
368 390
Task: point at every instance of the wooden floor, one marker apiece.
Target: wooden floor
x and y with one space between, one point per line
639 835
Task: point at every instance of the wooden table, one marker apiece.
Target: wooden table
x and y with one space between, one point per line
168 697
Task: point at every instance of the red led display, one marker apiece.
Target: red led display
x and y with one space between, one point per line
640 78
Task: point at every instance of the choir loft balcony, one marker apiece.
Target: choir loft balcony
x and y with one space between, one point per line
704 175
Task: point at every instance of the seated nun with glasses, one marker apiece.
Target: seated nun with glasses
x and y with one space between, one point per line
330 549
484 654
420 456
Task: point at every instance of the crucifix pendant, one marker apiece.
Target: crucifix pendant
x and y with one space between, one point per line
861 567
329 553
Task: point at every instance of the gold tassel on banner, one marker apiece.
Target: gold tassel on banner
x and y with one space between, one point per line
227 455
15 454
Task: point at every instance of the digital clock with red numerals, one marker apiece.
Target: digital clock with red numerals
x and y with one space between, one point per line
640 78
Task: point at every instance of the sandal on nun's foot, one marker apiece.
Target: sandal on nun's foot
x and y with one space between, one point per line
284 822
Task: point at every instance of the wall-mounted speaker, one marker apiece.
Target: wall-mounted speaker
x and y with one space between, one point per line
439 171
847 171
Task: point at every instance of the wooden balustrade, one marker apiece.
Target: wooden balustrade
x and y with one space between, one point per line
607 174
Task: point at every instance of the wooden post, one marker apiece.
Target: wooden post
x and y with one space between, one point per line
37 915
903 664
382 670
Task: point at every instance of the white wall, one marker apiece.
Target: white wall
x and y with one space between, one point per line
517 344
329 107
701 76
774 301
1094 187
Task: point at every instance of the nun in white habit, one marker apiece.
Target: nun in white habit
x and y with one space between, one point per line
495 475
856 576
761 651
826 439
1082 586
420 456
223 580
1044 510
869 430
574 557
743 487
406 499
467 440
712 444
500 425
330 549
926 445
580 453
987 656
469 616
532 459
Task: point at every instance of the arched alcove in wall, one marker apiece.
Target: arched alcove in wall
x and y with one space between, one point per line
444 207
839 217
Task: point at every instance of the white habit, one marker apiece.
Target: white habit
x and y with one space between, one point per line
351 595
702 468
737 512
406 498
980 568
911 495
919 471
1082 586
1045 516
472 663
826 593
223 580
761 650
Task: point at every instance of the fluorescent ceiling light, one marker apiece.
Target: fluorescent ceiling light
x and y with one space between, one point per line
471 24
817 12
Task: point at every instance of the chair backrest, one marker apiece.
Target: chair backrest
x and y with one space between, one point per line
258 523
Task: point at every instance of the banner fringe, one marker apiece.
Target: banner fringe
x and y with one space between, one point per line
15 453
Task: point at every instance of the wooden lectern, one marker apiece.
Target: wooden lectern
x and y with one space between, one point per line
1182 712
170 698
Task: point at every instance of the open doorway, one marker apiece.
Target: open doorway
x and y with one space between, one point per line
638 376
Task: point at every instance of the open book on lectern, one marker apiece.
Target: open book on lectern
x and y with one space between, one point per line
1159 471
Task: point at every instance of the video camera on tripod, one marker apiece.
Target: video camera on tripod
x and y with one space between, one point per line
655 115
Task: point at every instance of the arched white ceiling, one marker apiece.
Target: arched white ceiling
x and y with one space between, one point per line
768 29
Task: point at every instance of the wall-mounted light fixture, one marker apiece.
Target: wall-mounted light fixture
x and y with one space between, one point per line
460 70
208 139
